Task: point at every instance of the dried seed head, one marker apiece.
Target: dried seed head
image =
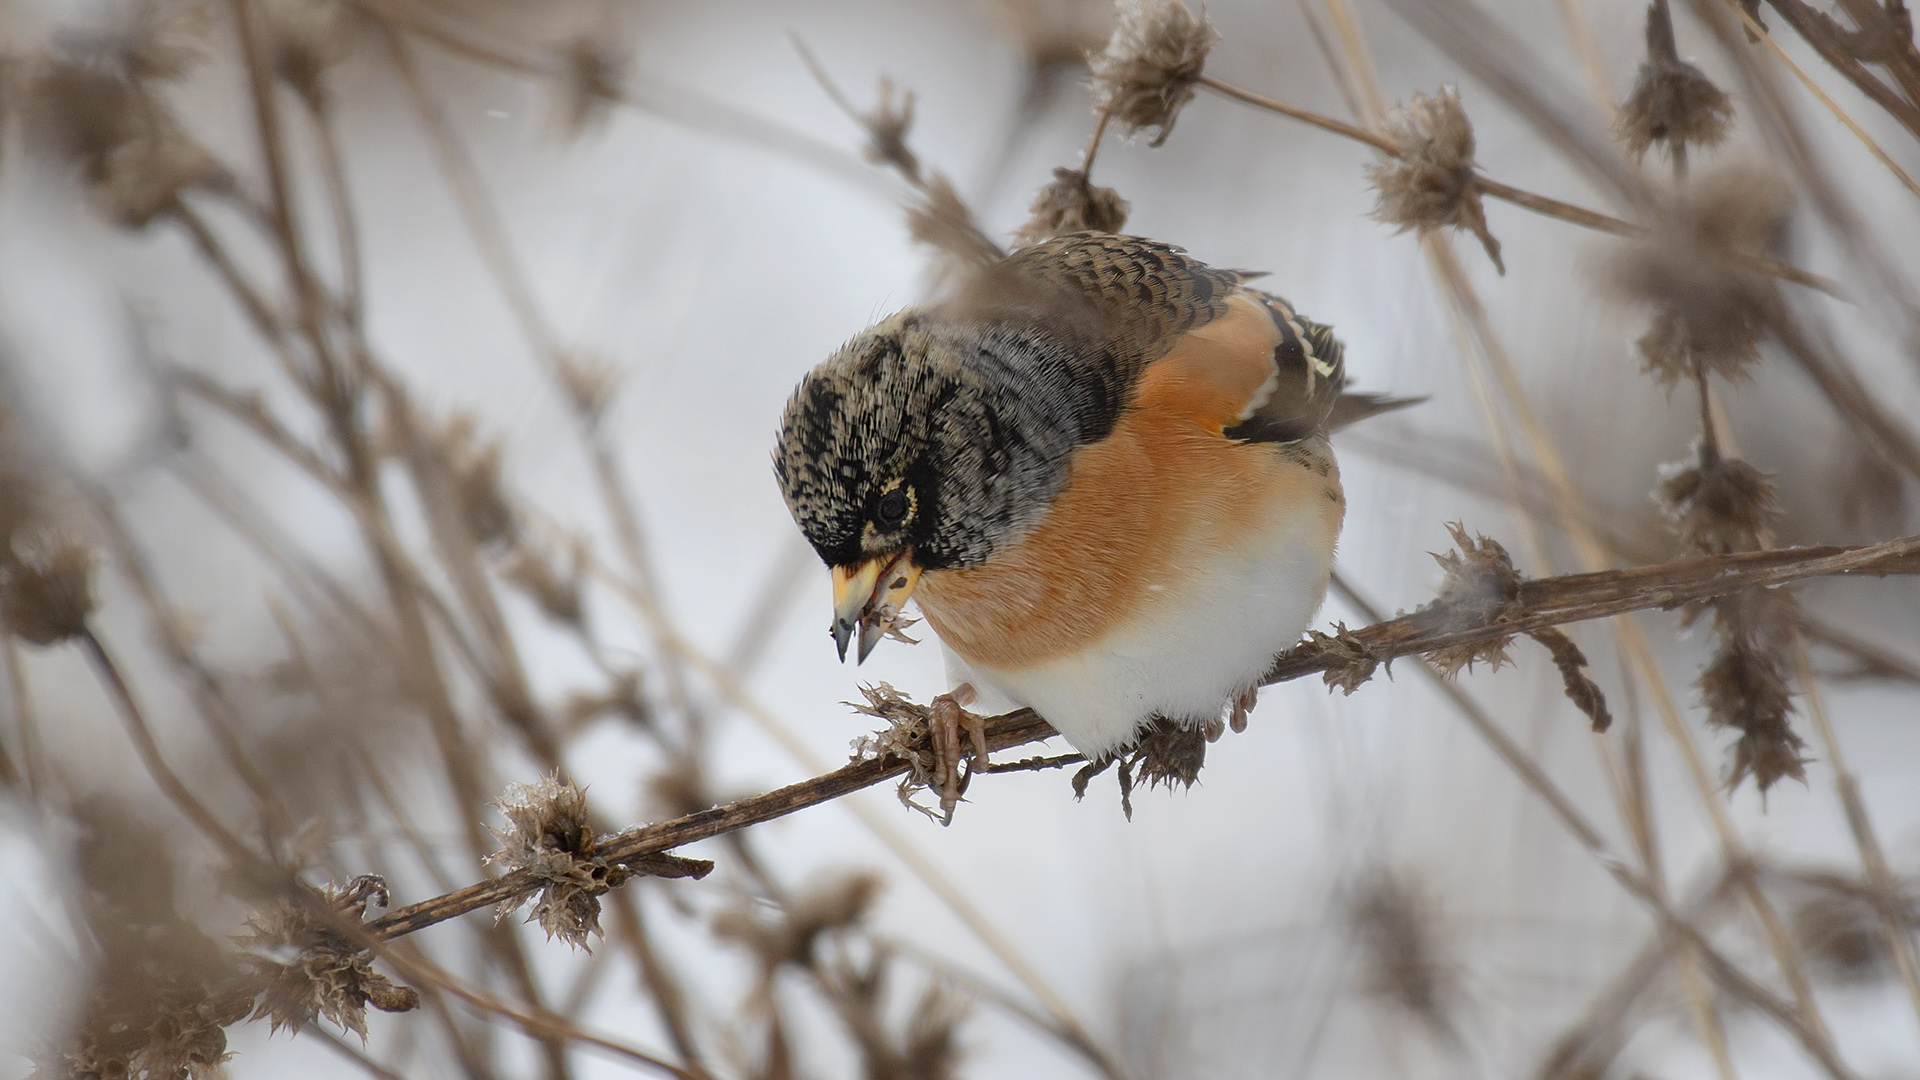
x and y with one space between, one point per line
1432 184
1350 662
134 156
1072 204
1710 308
1480 588
594 76
163 989
1745 686
162 39
590 384
1152 61
311 969
1403 948
549 836
306 39
556 589
1673 103
931 1047
887 125
1842 931
789 936
46 591
473 466
1718 505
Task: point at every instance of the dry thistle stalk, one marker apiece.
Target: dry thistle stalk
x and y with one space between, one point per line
1673 104
1153 60
311 969
1071 203
472 465
548 835
1710 309
1432 183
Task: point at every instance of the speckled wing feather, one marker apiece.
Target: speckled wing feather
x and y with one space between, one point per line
1137 298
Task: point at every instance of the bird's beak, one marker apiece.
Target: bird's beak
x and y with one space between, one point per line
870 597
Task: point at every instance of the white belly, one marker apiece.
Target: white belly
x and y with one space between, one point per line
1193 647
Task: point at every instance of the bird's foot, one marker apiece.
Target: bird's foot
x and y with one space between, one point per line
1242 708
946 716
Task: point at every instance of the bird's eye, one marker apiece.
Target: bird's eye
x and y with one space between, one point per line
893 508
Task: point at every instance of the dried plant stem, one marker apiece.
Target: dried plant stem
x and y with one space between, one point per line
1542 602
1640 654
1873 859
243 858
1797 14
1099 132
883 829
1633 806
1526 200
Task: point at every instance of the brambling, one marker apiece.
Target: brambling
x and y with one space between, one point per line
1102 471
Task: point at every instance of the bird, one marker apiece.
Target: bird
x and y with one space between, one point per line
1100 469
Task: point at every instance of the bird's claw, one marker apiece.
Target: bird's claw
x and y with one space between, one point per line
947 715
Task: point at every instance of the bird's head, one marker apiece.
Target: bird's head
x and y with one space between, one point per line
896 458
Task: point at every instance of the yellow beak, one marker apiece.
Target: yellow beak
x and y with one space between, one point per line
870 596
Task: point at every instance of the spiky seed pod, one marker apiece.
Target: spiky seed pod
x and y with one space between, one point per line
1071 203
1718 505
1153 60
549 836
1480 586
1673 104
1745 686
312 969
1432 183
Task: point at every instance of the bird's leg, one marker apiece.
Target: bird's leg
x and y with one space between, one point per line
1243 705
947 714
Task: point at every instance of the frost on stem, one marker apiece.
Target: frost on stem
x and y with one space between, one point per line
1071 203
1710 308
1432 183
1673 104
1150 66
311 969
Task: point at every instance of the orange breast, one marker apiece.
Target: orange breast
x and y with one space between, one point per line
1143 509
